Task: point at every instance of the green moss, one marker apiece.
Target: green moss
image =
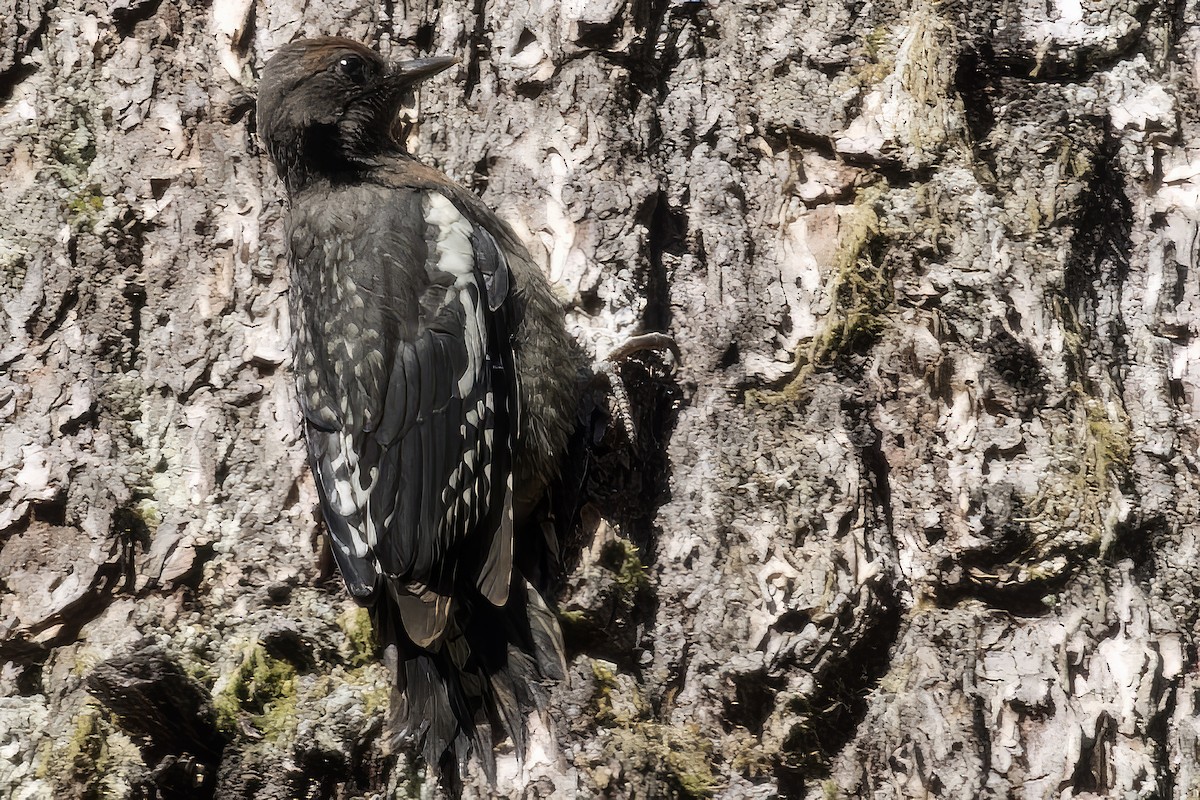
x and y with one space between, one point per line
681 755
874 41
377 698
278 719
199 671
83 210
227 708
691 763
860 289
576 625
746 755
622 590
70 148
1107 442
85 748
77 766
148 513
878 59
355 623
88 203
622 558
1078 503
860 293
606 682
371 681
262 687
572 617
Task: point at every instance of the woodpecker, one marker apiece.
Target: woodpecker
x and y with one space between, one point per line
438 386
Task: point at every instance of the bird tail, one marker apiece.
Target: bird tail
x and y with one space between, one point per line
485 674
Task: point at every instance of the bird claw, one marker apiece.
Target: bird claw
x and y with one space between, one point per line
654 341
606 369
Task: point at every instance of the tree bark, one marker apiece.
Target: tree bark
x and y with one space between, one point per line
915 514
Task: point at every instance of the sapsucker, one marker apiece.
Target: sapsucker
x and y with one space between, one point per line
438 386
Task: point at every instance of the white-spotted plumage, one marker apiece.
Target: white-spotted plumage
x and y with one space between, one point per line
410 303
452 252
347 358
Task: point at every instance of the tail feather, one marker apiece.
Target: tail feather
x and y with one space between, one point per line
481 742
508 708
422 712
489 670
548 646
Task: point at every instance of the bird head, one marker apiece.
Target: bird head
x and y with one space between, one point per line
327 105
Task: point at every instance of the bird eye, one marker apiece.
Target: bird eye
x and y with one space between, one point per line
354 68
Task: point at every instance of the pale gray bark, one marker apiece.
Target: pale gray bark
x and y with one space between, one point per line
915 516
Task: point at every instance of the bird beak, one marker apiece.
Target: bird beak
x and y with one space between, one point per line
413 72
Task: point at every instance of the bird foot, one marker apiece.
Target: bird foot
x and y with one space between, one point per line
643 342
607 370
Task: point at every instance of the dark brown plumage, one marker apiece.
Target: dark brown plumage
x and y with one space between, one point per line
438 386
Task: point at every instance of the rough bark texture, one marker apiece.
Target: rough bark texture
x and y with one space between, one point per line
917 515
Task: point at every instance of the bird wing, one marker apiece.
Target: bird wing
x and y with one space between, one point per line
417 489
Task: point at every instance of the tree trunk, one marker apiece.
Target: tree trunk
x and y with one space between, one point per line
916 515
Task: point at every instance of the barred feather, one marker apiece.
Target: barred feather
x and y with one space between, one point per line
437 385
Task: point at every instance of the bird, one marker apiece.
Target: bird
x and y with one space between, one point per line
438 386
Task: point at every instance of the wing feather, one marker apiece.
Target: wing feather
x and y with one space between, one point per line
417 489
359 574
